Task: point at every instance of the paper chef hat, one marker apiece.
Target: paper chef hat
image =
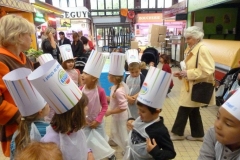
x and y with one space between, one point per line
44 58
117 62
232 105
56 87
66 52
132 56
155 88
25 96
95 64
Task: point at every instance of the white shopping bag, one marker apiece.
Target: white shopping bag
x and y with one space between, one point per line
101 149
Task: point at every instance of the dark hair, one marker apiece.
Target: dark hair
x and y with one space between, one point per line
133 65
61 33
75 35
72 120
152 110
84 40
165 58
64 63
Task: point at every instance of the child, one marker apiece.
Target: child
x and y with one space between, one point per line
32 107
222 141
68 64
98 104
118 101
149 138
69 103
143 67
40 151
164 59
134 82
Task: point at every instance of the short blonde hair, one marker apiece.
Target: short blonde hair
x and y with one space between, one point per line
40 151
11 27
48 30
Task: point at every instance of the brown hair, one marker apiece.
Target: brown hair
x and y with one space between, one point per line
118 80
165 58
133 65
143 65
23 137
64 63
40 151
75 35
72 120
151 109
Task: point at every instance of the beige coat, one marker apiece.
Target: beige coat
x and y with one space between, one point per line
203 73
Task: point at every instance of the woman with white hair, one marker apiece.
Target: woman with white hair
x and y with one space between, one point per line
198 66
15 38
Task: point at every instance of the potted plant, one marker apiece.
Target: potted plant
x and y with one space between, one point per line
33 54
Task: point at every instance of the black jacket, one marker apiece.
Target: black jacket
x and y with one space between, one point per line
47 48
65 41
77 49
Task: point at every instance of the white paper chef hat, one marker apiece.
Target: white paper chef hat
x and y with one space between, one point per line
25 96
95 64
155 88
232 105
132 56
66 52
44 58
117 62
56 87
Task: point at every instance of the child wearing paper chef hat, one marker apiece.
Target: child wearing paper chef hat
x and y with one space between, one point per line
32 107
118 102
69 103
223 140
69 64
97 106
148 137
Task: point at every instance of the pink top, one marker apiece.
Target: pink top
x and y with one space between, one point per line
104 103
74 74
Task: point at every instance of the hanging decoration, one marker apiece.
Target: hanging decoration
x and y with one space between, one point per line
131 14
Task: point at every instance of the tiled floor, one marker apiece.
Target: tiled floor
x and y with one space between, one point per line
186 150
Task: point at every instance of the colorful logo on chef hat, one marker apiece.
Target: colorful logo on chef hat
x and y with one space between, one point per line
63 77
132 57
67 49
144 89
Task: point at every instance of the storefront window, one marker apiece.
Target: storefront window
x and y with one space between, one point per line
168 4
63 3
109 4
93 4
130 4
72 3
152 4
100 4
123 3
144 3
160 3
116 4
79 3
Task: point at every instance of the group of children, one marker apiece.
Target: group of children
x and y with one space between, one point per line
80 104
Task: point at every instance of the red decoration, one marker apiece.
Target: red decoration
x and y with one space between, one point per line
131 14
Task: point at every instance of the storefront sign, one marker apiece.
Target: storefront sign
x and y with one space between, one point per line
175 9
39 17
76 12
194 5
149 18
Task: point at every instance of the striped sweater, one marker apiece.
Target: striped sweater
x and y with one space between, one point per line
8 109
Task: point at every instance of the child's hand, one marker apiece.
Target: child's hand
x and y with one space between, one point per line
90 156
94 124
150 145
131 100
108 113
130 125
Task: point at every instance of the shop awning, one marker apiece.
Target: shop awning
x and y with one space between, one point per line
19 5
47 7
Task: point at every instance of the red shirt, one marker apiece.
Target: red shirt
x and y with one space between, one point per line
167 68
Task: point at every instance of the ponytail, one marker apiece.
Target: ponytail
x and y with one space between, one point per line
118 80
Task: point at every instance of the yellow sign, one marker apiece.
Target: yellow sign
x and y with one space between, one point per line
65 22
194 5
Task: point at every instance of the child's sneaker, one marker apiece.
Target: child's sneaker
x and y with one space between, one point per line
113 157
112 143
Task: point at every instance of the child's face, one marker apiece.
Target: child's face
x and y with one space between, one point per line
135 72
151 64
45 111
227 129
87 79
146 115
110 78
161 60
70 64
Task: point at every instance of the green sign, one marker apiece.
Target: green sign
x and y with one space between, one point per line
194 5
39 17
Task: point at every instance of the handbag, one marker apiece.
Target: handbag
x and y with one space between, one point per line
202 91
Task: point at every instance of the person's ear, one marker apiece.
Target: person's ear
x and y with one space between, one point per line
158 110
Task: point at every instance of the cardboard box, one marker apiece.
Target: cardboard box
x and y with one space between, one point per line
152 37
154 44
161 38
153 29
162 30
134 45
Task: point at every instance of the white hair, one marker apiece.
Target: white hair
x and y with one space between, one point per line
194 32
